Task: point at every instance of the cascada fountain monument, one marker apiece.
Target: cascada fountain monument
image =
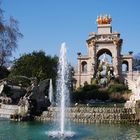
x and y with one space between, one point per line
62 98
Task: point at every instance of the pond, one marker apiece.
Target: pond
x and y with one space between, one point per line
39 131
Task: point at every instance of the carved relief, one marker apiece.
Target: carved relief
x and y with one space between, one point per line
91 43
117 42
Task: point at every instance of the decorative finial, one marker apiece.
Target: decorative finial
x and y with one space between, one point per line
104 19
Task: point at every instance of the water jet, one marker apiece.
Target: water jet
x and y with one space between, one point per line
62 97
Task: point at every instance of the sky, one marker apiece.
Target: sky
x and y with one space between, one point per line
46 24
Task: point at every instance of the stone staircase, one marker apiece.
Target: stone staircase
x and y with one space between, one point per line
7 110
134 86
131 80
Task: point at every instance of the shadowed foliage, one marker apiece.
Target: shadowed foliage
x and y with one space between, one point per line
35 64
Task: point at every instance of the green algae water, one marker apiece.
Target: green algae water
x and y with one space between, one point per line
39 131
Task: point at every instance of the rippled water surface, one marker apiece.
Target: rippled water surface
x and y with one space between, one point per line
39 131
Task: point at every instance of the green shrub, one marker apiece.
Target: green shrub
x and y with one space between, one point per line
117 97
103 95
90 87
114 92
117 88
89 92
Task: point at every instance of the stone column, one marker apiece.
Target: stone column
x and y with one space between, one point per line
94 63
92 55
79 71
130 65
130 70
115 63
116 56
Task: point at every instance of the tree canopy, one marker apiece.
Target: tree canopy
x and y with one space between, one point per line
9 35
36 64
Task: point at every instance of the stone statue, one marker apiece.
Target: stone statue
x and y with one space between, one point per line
138 83
105 71
23 106
102 71
35 97
1 88
131 103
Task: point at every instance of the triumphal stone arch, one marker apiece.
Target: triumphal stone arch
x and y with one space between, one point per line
105 41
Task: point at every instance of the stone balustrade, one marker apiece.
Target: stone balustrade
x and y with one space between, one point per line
93 115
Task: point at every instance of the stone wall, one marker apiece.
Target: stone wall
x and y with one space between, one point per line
94 115
7 110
